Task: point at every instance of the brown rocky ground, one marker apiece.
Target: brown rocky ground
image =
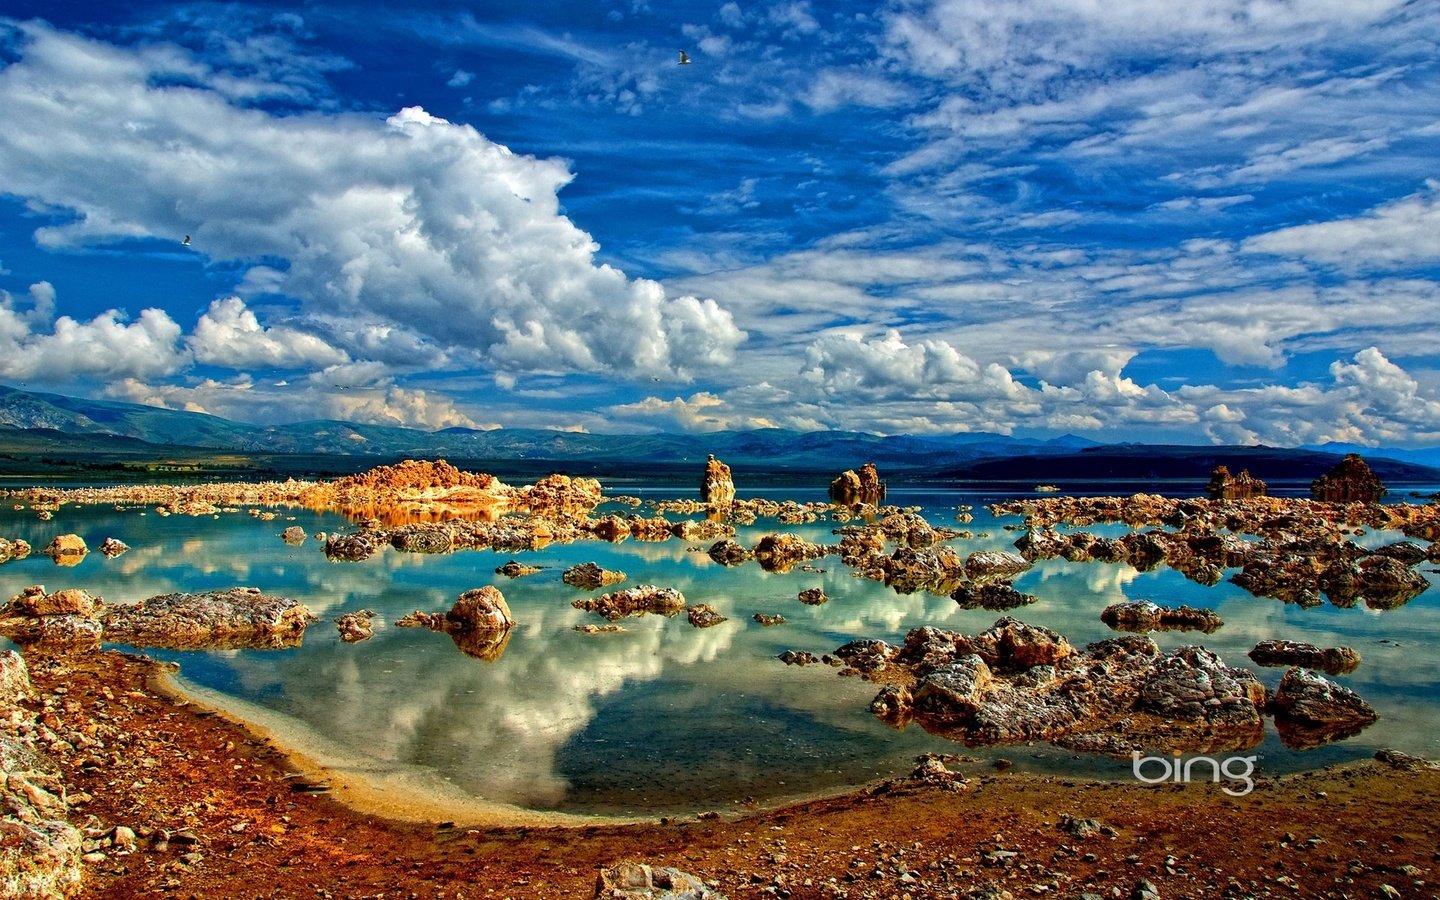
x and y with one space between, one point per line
221 812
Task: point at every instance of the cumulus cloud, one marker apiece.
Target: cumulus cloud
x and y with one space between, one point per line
702 411
413 222
229 334
108 346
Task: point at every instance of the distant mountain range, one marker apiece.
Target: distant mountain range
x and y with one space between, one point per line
35 425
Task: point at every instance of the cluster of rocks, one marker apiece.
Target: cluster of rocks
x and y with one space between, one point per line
1017 682
479 623
1302 551
40 851
235 618
16 549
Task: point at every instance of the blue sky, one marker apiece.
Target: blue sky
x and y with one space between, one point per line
1211 223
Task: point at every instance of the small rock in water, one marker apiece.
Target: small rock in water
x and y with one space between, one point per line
767 620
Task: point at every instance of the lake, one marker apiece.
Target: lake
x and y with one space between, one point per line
665 717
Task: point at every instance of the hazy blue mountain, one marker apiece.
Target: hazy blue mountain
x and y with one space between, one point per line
1424 457
34 424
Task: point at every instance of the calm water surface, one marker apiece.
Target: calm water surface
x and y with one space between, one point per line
666 717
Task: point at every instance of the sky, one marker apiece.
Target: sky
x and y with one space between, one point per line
1214 222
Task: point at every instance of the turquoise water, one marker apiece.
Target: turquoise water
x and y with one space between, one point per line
666 717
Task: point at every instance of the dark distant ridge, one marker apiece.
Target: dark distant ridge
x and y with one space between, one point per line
1160 462
33 423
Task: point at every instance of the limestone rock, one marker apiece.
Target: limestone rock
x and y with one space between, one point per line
728 552
1312 698
294 536
813 596
995 596
995 563
352 547
513 569
782 552
481 609
67 549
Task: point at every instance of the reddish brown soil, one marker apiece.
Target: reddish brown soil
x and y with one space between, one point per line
168 765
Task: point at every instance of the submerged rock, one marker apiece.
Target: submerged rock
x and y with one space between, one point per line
113 547
813 596
995 563
646 598
768 619
1142 615
294 536
936 570
996 596
351 547
728 552
479 623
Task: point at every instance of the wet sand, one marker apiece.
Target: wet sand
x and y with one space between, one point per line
223 810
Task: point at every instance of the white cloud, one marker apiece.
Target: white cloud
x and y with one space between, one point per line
229 335
1404 232
414 222
108 346
701 411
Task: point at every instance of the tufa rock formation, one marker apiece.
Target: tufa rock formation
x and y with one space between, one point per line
1333 660
852 487
1224 486
718 488
636 601
1351 481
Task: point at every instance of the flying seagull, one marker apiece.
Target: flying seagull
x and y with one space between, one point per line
684 59
186 242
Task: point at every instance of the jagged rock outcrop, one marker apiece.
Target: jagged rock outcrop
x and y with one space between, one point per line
559 496
352 547
782 552
864 486
1382 582
590 576
1142 616
636 601
1311 710
1224 486
40 851
813 596
1331 660
936 570
241 617
717 488
1350 481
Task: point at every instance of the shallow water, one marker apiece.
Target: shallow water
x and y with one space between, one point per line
666 717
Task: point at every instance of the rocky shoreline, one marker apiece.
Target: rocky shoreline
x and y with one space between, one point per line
96 739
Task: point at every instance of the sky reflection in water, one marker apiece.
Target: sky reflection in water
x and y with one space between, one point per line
665 716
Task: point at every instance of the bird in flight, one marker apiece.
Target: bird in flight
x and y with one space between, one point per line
684 59
186 242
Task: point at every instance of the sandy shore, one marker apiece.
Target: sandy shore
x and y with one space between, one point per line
222 810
